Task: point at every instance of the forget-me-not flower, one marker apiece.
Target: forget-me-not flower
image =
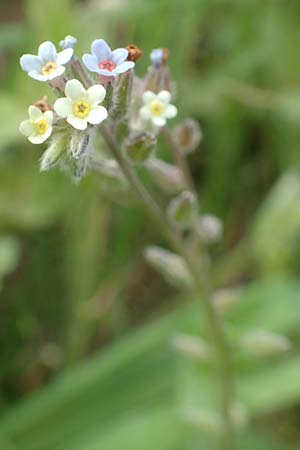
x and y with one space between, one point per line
81 106
48 64
157 108
106 62
39 126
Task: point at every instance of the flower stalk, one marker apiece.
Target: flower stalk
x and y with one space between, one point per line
201 285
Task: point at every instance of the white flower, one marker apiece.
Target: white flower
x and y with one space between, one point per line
81 106
39 126
48 64
157 108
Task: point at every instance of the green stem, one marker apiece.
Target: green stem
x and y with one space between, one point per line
178 158
222 351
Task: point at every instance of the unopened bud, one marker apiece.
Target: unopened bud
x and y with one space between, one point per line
79 144
121 95
264 343
209 228
51 355
239 414
207 421
109 170
192 347
167 176
159 56
42 104
170 265
68 42
158 77
140 146
225 299
134 53
188 135
182 210
53 153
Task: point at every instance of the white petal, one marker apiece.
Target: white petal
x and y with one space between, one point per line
47 52
123 67
145 113
75 90
64 56
148 97
101 50
76 122
164 96
63 107
90 62
49 116
30 62
34 113
26 127
37 76
57 73
40 138
119 55
170 112
97 115
159 121
96 94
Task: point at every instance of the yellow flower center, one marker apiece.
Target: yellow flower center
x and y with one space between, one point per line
41 126
81 109
49 68
157 107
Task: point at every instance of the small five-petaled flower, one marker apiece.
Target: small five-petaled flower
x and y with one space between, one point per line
48 64
39 126
81 106
106 62
157 108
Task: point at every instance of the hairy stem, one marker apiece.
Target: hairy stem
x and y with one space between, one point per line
201 283
178 158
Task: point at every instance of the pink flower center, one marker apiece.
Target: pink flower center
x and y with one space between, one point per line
107 65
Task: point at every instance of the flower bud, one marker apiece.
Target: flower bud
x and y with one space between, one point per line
206 421
158 77
225 299
182 210
140 146
121 95
170 265
110 172
68 42
188 135
209 228
134 53
79 143
264 343
53 153
167 176
192 347
239 414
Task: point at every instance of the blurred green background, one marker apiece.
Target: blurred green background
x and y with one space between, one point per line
85 325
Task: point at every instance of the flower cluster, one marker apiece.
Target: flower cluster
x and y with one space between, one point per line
100 86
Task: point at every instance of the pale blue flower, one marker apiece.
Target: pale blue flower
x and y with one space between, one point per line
106 62
68 42
48 64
